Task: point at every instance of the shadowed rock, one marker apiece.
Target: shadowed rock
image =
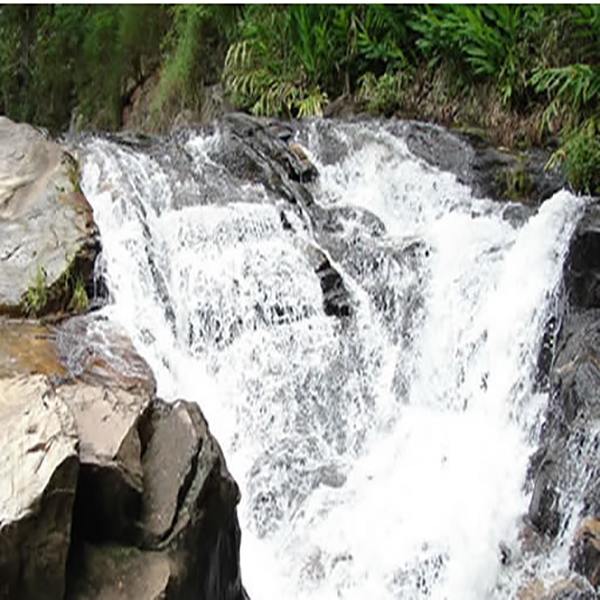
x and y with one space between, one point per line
110 484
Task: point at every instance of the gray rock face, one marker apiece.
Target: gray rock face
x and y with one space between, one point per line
47 233
168 462
38 472
188 504
566 466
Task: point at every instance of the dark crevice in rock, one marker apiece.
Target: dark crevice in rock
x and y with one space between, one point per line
335 295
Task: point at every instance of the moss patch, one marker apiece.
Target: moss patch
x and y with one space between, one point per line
514 183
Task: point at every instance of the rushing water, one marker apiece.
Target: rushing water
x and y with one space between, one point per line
381 454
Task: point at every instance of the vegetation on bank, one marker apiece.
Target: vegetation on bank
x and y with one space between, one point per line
524 74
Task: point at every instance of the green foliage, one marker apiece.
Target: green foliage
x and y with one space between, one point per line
381 36
276 67
54 58
37 293
579 155
483 42
79 299
194 50
385 94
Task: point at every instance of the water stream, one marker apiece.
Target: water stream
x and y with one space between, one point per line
381 454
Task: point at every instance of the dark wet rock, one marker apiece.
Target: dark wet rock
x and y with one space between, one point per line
39 474
490 172
48 239
335 294
267 157
565 461
336 297
544 505
565 467
113 572
582 269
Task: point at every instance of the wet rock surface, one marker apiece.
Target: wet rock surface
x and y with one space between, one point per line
491 172
565 466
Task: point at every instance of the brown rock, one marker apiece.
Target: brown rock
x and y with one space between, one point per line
585 551
28 347
38 472
574 588
93 349
533 590
87 348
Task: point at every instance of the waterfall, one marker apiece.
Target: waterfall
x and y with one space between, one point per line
381 452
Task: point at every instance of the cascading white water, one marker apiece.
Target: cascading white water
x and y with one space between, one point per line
379 456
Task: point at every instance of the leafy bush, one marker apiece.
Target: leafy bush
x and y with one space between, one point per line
194 51
385 94
276 67
483 42
580 154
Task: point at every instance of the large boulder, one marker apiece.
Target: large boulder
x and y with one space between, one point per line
184 534
48 239
133 490
39 474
